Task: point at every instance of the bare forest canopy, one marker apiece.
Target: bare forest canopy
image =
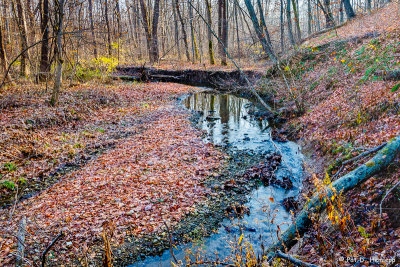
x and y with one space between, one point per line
79 34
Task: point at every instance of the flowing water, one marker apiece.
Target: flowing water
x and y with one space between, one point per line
228 122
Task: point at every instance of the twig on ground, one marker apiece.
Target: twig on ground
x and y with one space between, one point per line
170 242
380 204
59 236
292 259
366 153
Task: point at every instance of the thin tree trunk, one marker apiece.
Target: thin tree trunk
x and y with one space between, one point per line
109 47
21 22
154 38
296 20
309 16
3 57
224 30
195 51
137 28
237 29
177 42
44 66
282 28
289 22
185 41
59 60
146 25
341 16
326 9
91 27
118 13
266 46
263 24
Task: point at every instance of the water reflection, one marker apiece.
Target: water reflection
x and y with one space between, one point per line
227 120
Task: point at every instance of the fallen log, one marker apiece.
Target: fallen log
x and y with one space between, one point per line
223 80
347 182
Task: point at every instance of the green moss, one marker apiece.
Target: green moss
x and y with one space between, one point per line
370 163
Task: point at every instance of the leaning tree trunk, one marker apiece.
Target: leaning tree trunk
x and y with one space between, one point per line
209 33
318 202
267 47
263 24
59 60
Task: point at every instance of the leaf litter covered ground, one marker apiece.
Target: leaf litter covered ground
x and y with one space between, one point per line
349 110
152 175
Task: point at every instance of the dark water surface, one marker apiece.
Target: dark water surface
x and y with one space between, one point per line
228 122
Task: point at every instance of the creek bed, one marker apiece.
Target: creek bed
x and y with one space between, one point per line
235 124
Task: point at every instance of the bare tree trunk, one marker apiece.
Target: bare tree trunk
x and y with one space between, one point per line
154 38
185 41
92 28
349 9
21 22
195 51
118 13
146 25
296 20
109 47
44 66
309 17
237 29
59 60
3 57
177 41
326 9
224 25
266 46
289 22
282 29
263 24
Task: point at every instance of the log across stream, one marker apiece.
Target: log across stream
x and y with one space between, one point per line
223 80
229 122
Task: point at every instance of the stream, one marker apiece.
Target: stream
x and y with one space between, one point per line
232 123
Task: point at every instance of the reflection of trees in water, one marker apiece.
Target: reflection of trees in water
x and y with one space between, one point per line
224 108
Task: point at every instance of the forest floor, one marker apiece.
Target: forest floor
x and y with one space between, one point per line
134 160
